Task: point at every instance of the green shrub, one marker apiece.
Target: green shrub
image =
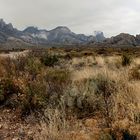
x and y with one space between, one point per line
105 89
104 86
49 60
20 64
57 81
8 66
128 136
44 91
80 99
7 88
35 97
33 67
126 59
90 96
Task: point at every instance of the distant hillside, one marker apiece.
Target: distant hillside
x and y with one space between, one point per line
34 36
123 39
11 37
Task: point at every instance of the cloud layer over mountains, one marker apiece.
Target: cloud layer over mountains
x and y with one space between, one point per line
110 16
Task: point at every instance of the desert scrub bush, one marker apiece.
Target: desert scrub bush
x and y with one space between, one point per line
126 59
7 89
25 82
37 86
91 96
105 136
34 98
128 136
33 67
127 100
106 94
116 96
105 90
134 73
8 67
57 80
14 67
79 105
49 60
118 134
19 64
2 70
55 125
124 134
25 95
54 122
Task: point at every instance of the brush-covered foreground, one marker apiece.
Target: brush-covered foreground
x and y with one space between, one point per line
70 94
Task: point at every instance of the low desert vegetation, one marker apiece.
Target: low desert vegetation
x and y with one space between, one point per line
126 59
72 95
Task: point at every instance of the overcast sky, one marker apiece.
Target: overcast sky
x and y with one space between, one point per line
81 16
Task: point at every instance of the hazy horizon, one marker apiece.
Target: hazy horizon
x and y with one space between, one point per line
111 17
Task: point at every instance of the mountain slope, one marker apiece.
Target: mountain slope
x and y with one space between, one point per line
33 35
59 35
124 39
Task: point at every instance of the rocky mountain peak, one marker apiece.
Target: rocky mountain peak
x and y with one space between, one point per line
10 26
123 39
31 30
99 36
98 33
6 27
62 29
2 23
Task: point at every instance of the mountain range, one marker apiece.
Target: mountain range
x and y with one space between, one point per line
34 36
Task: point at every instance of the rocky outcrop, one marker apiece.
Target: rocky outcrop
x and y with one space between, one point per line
124 39
99 36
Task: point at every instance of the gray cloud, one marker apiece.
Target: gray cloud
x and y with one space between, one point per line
81 16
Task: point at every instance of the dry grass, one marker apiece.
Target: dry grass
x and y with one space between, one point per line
85 97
